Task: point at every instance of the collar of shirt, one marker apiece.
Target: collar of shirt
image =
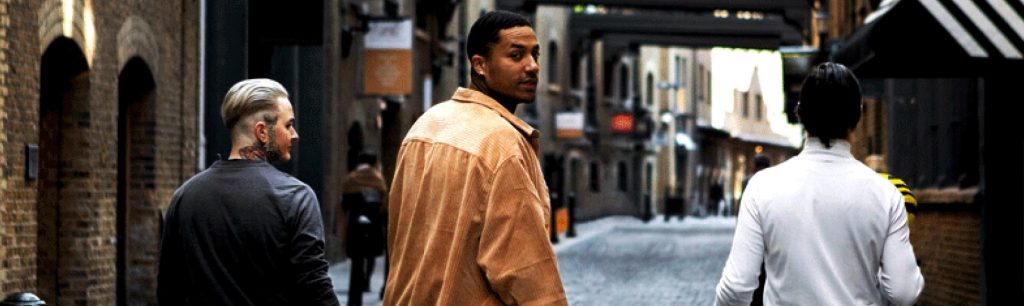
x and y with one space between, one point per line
813 148
466 95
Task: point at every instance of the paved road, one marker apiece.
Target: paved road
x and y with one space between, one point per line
630 263
622 261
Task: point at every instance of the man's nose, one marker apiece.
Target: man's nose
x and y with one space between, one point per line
532 65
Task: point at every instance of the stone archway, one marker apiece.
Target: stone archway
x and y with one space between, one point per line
63 99
138 213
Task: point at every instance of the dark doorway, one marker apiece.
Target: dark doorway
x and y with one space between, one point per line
138 215
355 145
63 90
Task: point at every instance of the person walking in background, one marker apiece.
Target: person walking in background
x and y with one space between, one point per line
761 162
877 162
469 208
363 201
829 229
241 232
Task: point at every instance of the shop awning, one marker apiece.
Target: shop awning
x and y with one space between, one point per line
937 38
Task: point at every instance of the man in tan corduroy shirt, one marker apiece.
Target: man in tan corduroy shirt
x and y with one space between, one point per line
468 208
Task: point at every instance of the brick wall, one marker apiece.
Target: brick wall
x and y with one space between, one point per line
7 216
79 214
948 247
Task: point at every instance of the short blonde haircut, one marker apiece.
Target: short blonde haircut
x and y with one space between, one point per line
250 97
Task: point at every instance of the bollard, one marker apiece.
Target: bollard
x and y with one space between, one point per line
22 299
647 214
571 232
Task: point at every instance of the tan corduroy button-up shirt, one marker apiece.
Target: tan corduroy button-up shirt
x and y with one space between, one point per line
468 211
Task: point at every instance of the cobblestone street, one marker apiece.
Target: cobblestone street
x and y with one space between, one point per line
622 261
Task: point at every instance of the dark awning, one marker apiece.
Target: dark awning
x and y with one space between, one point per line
935 38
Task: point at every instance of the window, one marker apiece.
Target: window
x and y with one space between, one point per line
595 177
701 81
746 105
574 69
623 82
623 177
681 73
760 108
552 63
649 90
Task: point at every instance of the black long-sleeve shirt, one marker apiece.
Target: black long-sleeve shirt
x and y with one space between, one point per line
243 233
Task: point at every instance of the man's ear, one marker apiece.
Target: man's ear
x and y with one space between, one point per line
479 64
259 130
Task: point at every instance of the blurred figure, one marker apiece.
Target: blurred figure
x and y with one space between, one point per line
363 202
827 227
716 193
242 232
469 208
761 162
877 162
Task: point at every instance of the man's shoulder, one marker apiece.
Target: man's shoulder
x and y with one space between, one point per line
468 127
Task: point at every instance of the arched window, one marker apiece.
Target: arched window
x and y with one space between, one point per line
552 63
595 177
623 82
649 90
760 107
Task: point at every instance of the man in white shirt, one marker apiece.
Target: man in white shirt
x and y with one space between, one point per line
829 230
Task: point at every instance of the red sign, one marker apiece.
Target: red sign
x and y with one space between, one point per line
622 123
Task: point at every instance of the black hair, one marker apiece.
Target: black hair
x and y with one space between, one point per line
367 157
830 102
484 33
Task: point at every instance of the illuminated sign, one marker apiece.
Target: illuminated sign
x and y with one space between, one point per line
569 124
622 123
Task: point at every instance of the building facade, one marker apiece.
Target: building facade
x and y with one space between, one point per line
947 129
97 130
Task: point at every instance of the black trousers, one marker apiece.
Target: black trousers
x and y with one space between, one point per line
359 279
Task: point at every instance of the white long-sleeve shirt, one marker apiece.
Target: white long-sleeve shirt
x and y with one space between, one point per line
830 232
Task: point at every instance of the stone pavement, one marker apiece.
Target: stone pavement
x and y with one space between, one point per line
627 262
622 261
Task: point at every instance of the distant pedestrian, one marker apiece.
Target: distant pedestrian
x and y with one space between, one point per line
242 232
828 228
469 208
716 193
363 201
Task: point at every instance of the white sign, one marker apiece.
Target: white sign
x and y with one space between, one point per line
389 34
569 124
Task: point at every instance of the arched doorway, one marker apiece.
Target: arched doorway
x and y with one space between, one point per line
63 95
138 215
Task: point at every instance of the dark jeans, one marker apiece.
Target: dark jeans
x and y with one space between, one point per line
359 279
759 292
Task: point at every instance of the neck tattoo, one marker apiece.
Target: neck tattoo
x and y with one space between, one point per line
253 152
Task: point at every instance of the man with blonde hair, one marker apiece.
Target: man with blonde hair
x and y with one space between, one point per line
242 232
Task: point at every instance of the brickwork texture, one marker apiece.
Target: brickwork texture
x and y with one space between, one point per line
59 233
